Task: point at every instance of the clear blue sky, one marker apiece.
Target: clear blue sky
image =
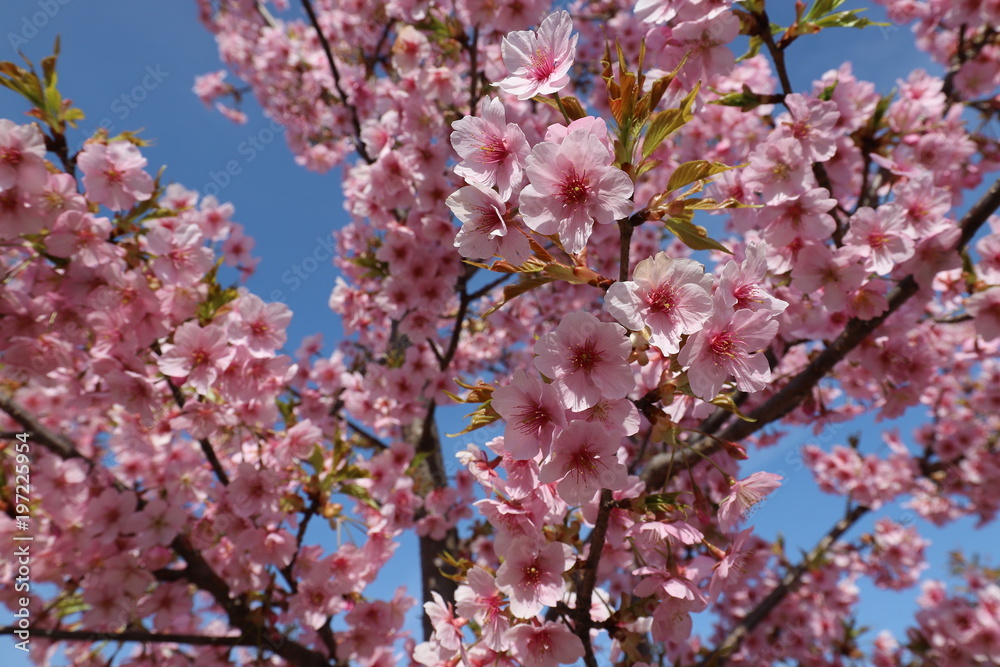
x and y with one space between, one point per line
110 47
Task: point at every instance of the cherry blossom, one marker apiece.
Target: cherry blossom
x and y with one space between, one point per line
670 296
533 414
587 359
197 355
881 237
532 575
727 346
22 151
584 460
744 496
113 174
572 185
539 61
492 150
487 230
547 645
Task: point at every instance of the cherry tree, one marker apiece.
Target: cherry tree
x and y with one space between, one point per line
521 183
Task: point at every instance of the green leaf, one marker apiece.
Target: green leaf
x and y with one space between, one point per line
755 45
359 493
316 459
697 170
827 93
746 99
528 282
483 416
848 19
725 401
667 122
822 8
694 236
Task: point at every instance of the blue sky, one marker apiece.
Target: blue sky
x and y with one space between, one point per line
131 65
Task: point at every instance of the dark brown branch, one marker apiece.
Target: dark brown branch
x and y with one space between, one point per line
53 441
777 54
625 227
788 584
790 396
206 446
371 439
473 70
463 309
198 571
581 615
325 43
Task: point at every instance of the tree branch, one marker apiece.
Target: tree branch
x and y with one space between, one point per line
791 395
206 446
198 571
355 120
788 584
581 615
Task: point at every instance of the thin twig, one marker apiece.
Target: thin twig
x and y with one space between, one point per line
355 120
793 393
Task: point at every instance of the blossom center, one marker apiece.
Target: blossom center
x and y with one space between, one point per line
532 418
662 299
532 574
494 150
113 175
575 189
878 240
583 463
10 155
724 345
585 357
780 171
542 65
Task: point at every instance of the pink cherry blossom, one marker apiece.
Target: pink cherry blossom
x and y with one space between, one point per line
744 496
447 628
572 185
539 62
812 123
741 285
670 296
258 325
804 216
22 157
880 236
548 645
777 168
198 354
492 150
838 273
532 575
481 600
113 174
985 309
83 236
587 359
726 347
533 414
584 460
486 228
